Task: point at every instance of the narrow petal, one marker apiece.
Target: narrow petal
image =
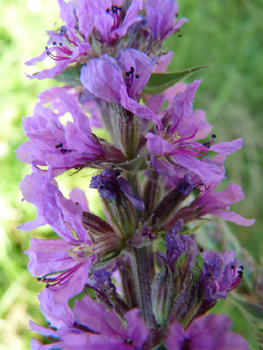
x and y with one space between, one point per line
233 217
227 147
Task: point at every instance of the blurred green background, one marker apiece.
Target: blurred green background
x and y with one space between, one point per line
226 35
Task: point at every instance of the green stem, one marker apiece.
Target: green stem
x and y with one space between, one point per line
143 271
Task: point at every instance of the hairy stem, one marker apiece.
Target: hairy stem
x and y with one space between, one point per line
143 271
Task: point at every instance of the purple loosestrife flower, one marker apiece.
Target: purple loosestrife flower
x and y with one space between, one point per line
107 18
177 140
91 326
69 46
69 258
62 263
210 202
211 332
51 143
217 204
161 16
220 274
111 186
178 244
103 78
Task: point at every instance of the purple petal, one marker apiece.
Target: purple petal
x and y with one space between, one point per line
79 196
55 296
43 196
57 312
48 256
175 337
233 217
68 16
157 145
103 78
208 172
127 190
95 316
130 18
33 61
86 23
227 147
183 104
143 66
137 330
50 73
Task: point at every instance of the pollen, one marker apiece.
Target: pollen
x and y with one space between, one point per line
176 136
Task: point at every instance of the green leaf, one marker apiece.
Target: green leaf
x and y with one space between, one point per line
159 82
133 165
70 76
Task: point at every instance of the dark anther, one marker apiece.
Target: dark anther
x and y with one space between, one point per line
54 43
127 74
108 11
232 266
63 150
59 145
119 8
132 69
39 278
213 136
241 267
76 203
179 35
60 44
75 323
137 76
61 31
128 341
46 48
47 285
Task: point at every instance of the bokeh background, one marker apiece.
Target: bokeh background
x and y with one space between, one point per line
226 35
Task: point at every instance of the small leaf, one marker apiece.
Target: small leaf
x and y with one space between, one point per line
159 82
133 165
70 76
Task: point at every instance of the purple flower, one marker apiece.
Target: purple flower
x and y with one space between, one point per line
107 18
103 78
178 244
68 46
62 263
161 16
50 142
211 332
177 140
220 274
91 325
217 204
111 186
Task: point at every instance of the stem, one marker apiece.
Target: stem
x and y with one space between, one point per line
143 272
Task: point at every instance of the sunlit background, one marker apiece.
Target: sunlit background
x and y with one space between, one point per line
226 35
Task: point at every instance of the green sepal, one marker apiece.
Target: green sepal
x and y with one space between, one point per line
70 76
133 165
105 258
160 347
159 82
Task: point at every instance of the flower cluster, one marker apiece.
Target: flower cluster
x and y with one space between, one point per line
154 177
